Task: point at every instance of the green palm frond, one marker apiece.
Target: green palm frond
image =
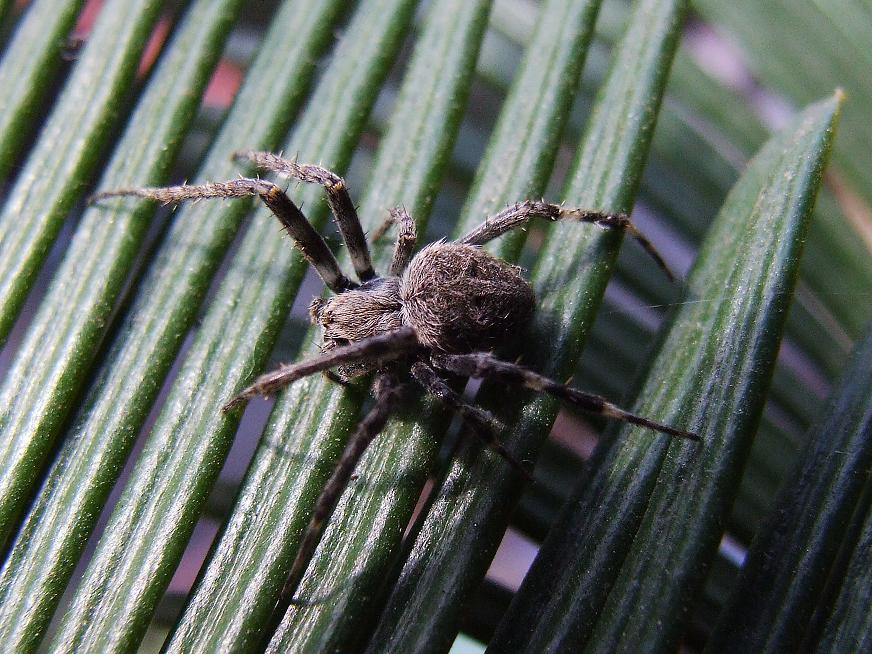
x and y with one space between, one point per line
117 322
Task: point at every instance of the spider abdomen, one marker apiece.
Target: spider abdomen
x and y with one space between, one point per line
459 298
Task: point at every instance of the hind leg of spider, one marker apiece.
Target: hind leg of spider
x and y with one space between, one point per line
387 395
485 365
337 197
484 425
309 242
519 214
380 348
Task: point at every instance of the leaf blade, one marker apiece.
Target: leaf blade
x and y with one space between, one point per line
28 68
793 556
597 543
63 159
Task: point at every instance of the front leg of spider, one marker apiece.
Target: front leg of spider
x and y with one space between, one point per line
377 350
307 240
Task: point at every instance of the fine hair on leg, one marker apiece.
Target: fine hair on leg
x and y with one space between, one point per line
483 424
309 242
387 392
379 348
519 214
484 365
338 198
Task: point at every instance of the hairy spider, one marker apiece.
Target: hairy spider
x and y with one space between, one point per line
440 311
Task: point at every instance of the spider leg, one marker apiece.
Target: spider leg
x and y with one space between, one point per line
519 214
382 347
309 242
338 198
379 232
406 239
485 365
333 377
387 394
484 425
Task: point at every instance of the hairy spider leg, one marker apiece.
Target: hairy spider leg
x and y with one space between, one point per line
407 237
310 243
482 364
338 198
382 347
484 425
388 393
520 213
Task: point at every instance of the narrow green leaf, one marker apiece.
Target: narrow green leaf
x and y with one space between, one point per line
523 147
655 503
691 501
792 558
69 146
49 367
849 627
28 69
187 447
469 515
60 521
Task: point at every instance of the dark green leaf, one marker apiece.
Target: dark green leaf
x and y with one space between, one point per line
849 627
656 504
69 147
793 557
48 370
28 69
802 48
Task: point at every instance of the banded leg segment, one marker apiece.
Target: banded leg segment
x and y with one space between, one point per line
484 425
519 214
338 198
484 365
310 243
384 347
387 395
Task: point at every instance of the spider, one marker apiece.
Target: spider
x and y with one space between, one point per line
439 312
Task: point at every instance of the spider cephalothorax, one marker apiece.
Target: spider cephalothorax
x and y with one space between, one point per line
439 312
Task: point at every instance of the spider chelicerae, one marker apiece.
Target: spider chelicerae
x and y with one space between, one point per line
439 312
